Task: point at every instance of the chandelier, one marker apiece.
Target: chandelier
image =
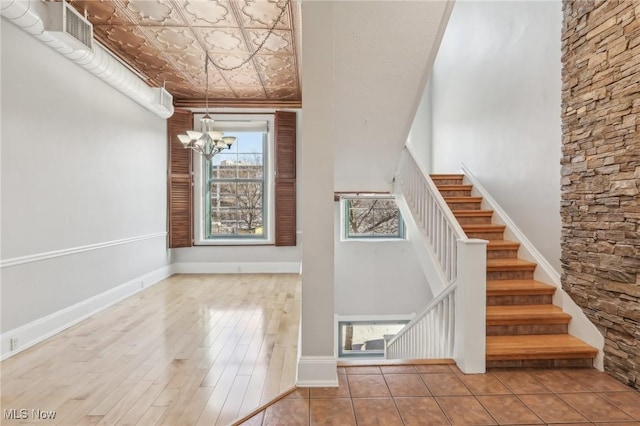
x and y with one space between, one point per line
207 141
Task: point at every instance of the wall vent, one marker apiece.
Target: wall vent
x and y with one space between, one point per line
162 102
68 26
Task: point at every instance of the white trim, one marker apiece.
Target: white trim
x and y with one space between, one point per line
580 326
317 371
6 263
237 268
43 328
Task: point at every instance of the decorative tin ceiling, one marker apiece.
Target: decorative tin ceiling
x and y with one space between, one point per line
165 42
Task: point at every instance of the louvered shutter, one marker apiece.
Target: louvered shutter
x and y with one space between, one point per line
180 192
285 184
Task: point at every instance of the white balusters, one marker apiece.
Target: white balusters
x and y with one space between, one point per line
453 324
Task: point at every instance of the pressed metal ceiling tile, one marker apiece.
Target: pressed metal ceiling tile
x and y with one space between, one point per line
165 42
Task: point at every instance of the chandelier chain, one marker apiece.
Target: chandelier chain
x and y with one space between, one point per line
260 46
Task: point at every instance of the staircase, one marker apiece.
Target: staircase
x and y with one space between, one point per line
524 328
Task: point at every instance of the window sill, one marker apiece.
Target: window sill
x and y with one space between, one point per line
233 242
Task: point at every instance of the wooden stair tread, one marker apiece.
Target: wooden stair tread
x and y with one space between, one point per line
480 227
472 213
518 287
538 346
510 265
454 187
462 199
526 314
446 176
502 245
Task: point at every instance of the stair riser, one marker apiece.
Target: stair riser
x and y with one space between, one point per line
510 330
540 363
474 220
455 192
471 205
510 275
533 299
502 254
497 235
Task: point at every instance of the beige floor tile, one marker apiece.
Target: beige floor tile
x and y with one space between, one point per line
508 410
594 408
558 382
342 391
464 410
444 384
376 412
483 384
362 370
332 411
290 412
435 368
398 369
629 402
552 409
520 382
362 386
596 381
420 412
406 385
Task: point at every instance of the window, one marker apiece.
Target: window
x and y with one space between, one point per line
366 338
234 189
372 218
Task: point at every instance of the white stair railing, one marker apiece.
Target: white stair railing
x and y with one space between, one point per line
453 324
430 334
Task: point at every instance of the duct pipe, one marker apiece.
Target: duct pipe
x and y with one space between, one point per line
30 15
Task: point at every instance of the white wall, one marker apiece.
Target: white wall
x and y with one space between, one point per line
420 139
496 108
377 277
83 175
383 53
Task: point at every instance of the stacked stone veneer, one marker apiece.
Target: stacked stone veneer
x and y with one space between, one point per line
601 173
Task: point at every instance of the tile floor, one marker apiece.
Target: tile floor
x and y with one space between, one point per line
442 395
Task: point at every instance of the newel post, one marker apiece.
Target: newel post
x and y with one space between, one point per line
471 302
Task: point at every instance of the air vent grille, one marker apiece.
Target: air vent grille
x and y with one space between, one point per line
69 26
77 26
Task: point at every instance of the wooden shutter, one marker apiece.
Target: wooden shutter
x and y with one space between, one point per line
285 188
179 185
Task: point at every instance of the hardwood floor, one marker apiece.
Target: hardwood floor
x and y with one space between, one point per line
192 350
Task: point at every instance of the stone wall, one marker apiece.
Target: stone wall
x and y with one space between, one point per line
601 173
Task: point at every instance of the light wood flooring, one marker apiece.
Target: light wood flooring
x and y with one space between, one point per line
193 349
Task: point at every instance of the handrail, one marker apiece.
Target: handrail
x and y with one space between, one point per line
443 302
453 324
431 213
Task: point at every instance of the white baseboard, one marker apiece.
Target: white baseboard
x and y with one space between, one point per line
317 371
236 268
43 328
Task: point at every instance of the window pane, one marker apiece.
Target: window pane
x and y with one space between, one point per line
249 195
224 221
236 188
370 217
366 338
250 221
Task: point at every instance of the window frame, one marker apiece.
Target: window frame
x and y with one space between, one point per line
364 321
344 216
201 204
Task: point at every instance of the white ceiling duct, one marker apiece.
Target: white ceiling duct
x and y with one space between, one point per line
33 16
